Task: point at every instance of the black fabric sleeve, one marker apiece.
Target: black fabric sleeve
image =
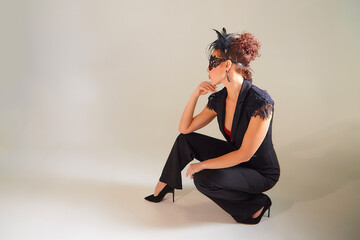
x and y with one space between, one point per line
212 102
261 106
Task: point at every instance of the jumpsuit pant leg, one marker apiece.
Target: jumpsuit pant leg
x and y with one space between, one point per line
185 149
237 190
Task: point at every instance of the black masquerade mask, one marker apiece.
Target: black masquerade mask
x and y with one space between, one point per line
215 61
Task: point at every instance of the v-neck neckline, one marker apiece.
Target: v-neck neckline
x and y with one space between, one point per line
237 102
245 86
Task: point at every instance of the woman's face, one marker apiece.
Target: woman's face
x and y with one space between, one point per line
218 71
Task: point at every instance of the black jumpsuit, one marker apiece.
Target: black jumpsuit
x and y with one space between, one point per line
239 189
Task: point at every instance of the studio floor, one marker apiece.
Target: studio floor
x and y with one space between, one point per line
73 196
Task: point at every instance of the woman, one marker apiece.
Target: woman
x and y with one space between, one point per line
233 173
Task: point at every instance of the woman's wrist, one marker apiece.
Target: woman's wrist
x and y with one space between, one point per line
195 94
203 164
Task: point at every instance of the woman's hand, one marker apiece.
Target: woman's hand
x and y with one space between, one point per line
204 87
194 168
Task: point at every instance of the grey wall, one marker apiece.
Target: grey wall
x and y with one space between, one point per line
113 77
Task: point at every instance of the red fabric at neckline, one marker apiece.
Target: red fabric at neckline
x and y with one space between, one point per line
228 133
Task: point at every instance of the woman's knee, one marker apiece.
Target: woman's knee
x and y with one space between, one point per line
197 181
183 137
200 181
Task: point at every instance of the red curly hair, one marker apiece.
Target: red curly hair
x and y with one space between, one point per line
244 48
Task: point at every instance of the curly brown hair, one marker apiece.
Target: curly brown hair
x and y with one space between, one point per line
238 47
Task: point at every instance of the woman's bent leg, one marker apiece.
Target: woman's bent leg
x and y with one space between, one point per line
185 149
237 190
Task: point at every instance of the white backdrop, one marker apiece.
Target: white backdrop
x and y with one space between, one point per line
96 89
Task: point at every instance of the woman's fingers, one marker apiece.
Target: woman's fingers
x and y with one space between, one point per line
205 87
208 87
189 172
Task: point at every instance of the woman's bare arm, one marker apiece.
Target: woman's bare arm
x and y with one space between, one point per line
188 123
253 138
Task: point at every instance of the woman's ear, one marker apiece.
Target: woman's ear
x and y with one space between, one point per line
228 64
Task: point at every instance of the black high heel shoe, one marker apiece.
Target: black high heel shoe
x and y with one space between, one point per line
160 196
257 219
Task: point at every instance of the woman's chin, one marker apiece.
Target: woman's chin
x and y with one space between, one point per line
214 83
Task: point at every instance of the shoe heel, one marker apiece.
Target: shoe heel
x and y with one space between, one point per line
160 196
269 212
